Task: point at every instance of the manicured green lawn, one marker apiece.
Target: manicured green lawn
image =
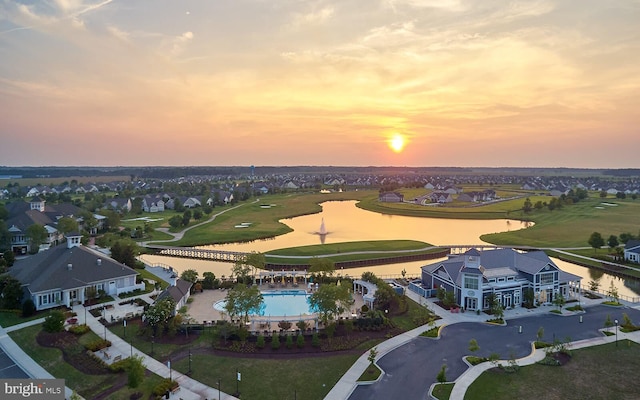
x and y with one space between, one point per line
307 378
572 225
600 372
11 318
442 391
370 374
51 360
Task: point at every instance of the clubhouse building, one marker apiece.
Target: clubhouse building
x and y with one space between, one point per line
507 273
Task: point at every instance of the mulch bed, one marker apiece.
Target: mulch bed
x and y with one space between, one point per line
73 352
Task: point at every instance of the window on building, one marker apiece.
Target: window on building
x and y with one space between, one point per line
471 282
510 278
546 278
500 279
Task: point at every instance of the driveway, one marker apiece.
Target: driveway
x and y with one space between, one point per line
412 368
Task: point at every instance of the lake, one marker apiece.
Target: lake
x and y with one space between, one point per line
344 222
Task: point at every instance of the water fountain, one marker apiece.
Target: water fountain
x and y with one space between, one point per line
322 232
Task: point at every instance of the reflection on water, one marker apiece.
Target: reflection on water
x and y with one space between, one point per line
349 223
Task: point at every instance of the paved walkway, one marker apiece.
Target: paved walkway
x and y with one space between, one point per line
190 389
348 383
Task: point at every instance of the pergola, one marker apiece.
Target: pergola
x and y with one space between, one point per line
367 289
270 276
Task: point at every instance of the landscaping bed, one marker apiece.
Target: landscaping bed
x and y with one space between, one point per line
73 352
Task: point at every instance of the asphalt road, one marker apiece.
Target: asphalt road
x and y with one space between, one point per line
413 367
9 369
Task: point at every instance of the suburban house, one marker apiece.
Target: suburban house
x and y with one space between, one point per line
391 197
179 290
632 251
507 273
187 202
23 214
485 195
152 204
441 197
119 204
63 275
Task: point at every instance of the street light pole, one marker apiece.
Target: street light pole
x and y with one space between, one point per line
124 324
616 322
218 388
153 340
189 360
169 365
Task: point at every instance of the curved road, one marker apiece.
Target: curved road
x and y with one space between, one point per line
412 368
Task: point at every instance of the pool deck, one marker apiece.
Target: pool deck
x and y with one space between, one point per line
202 311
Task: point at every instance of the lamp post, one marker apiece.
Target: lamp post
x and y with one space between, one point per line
153 340
169 365
189 360
616 322
218 388
124 324
131 345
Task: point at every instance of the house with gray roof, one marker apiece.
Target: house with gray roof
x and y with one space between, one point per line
506 273
632 251
179 290
63 275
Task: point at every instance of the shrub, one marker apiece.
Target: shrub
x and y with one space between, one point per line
330 330
28 308
164 386
79 329
97 344
289 341
260 342
300 341
315 340
54 322
275 342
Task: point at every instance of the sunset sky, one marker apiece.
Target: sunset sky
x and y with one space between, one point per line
331 82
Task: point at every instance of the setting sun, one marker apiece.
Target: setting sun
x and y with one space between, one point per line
397 142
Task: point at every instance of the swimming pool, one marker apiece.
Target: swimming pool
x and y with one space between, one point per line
280 303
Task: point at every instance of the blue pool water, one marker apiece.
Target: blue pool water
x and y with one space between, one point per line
280 303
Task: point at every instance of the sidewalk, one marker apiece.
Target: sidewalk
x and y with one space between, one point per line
190 389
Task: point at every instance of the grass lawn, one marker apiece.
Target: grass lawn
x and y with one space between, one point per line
11 318
442 391
307 378
384 247
600 372
572 225
51 360
370 374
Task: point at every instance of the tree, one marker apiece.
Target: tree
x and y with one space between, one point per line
373 353
603 194
67 225
596 241
243 300
135 371
255 260
37 235
28 308
594 285
159 314
175 221
527 206
186 217
54 322
473 345
209 280
528 297
442 377
612 241
613 292
330 301
189 275
323 266
241 271
540 334
559 300
125 251
10 293
608 323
